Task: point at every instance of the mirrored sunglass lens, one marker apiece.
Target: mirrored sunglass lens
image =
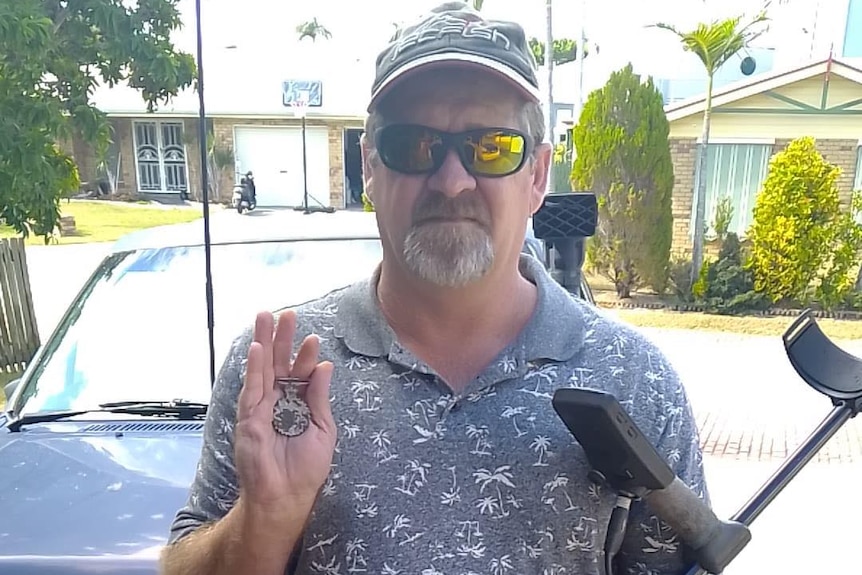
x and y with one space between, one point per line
496 152
409 148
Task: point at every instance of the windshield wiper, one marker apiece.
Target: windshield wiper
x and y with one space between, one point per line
178 408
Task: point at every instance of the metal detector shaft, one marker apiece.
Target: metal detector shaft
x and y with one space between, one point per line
830 425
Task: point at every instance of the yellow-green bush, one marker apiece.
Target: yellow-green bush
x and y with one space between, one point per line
367 206
803 244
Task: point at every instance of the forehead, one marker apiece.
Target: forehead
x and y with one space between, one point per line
454 96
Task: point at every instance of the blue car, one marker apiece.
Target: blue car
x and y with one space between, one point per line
101 435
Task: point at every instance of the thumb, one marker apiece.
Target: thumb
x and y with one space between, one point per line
317 396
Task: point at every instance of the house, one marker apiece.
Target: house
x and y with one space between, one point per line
252 118
751 121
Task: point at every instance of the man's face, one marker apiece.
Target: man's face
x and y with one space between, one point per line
451 227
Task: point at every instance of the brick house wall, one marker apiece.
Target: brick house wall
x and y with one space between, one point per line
223 131
127 182
842 153
683 152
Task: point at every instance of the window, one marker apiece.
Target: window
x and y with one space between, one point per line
161 157
736 170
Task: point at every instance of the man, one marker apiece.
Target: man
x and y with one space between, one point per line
432 445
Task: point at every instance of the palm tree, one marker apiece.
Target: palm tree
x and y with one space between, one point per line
714 43
312 29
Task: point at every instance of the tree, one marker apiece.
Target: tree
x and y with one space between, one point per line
623 156
714 43
312 29
52 55
565 51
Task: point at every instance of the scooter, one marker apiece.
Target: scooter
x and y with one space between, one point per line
244 197
621 458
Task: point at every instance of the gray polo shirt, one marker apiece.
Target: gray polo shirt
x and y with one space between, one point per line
489 482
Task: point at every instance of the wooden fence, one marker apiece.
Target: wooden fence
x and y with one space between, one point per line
19 336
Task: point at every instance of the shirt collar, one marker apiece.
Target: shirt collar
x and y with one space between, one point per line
555 331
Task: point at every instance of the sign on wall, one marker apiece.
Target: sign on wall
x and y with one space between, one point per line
292 91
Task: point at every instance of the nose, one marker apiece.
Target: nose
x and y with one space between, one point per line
452 179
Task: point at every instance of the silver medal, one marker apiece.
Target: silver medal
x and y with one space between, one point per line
291 415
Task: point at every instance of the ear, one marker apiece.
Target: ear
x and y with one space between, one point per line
540 175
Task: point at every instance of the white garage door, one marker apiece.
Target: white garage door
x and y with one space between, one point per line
274 154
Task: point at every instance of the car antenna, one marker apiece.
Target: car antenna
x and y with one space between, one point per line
202 139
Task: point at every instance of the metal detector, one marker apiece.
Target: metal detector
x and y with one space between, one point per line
622 458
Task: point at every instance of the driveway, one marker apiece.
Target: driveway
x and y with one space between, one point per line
749 401
808 528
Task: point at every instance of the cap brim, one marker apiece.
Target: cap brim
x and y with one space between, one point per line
455 59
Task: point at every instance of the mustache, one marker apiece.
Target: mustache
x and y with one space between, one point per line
437 206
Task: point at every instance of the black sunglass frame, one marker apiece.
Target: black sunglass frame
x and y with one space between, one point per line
450 141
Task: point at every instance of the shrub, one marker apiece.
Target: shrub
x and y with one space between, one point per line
698 289
723 217
367 206
726 285
803 244
623 156
680 279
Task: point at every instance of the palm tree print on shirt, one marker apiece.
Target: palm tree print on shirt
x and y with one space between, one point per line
497 486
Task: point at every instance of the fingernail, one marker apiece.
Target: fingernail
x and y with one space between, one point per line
291 381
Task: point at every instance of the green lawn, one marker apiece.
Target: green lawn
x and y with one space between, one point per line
775 326
101 221
4 379
744 325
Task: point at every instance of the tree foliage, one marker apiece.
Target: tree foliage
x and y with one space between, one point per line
726 285
803 242
716 42
565 51
623 156
313 29
53 53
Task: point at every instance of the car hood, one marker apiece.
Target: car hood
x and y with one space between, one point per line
102 490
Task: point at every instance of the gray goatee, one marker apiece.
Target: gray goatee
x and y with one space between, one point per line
450 254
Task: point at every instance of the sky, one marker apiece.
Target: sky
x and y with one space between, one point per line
262 34
618 26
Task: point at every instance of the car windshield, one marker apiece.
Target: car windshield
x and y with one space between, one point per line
140 331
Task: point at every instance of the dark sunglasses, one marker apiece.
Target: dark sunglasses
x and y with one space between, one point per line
484 152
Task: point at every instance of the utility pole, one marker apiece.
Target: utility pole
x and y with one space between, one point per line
578 106
549 62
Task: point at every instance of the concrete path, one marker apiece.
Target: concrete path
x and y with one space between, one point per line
810 528
749 401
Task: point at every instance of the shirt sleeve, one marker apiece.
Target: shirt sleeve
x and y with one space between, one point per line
651 547
214 489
